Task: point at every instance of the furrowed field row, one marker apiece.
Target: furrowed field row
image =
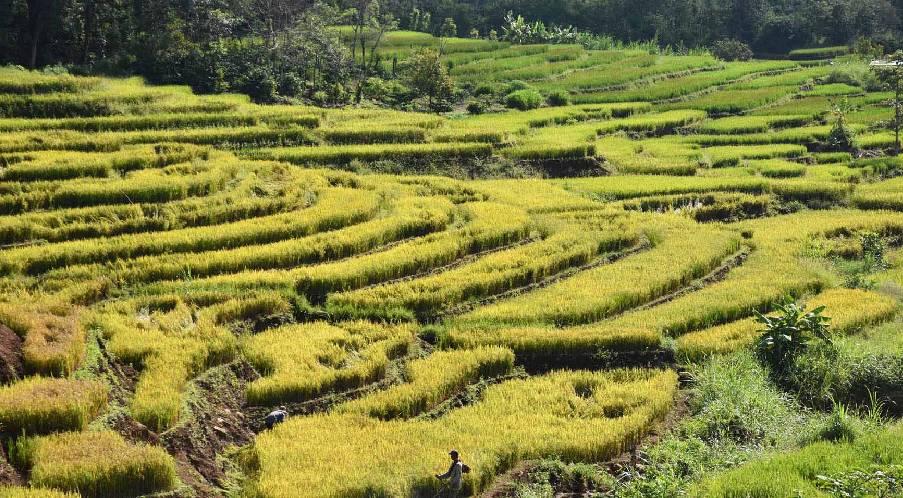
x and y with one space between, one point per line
113 141
411 219
771 272
146 186
685 252
153 122
631 186
31 82
95 464
167 348
805 135
53 344
684 85
736 125
399 152
882 195
38 405
300 362
432 380
336 208
489 226
626 71
730 101
47 166
493 274
241 202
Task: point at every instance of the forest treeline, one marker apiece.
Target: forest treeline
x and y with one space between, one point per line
282 47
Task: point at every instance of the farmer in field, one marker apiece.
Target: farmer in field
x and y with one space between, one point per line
276 417
455 476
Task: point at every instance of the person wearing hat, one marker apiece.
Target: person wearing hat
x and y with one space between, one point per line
276 417
455 475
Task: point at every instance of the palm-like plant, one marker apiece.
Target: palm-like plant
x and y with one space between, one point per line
787 334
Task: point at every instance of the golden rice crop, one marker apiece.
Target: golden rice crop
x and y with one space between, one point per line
301 362
147 186
487 276
489 225
577 416
336 208
413 217
343 154
750 124
771 272
69 165
22 492
682 251
95 464
53 344
542 347
887 194
168 349
432 380
38 405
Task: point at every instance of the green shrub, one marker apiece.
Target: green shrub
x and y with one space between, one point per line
483 90
477 106
787 335
517 85
524 100
558 99
731 50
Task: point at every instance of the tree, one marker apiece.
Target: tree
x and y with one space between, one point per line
449 29
272 17
890 74
41 15
841 138
731 50
427 76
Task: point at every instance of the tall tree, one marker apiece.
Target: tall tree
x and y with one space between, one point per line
42 15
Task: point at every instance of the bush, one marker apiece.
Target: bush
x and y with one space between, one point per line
290 85
375 88
524 100
558 99
732 50
259 84
517 85
483 90
477 106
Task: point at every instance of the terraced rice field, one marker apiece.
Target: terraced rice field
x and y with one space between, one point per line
174 266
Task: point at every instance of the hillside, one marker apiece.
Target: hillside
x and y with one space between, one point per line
553 287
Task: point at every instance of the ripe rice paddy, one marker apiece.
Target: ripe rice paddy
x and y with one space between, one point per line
153 237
